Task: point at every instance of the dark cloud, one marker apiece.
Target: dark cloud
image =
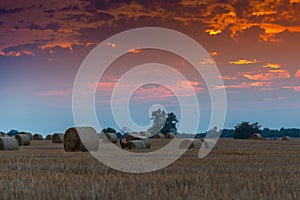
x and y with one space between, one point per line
222 1
50 11
100 16
98 5
251 35
76 17
32 47
219 9
70 8
1 23
163 4
52 26
105 4
241 7
33 26
10 11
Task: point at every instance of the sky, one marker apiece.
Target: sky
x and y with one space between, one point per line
254 44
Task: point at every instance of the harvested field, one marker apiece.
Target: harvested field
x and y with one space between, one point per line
238 169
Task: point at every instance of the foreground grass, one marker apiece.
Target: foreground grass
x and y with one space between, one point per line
236 170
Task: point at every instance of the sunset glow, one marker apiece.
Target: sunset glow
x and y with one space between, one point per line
254 44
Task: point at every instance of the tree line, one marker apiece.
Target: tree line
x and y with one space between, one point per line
244 130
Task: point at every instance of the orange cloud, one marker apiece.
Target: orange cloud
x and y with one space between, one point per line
261 13
155 92
63 44
297 75
245 85
135 50
191 3
17 53
206 61
295 88
213 32
160 92
270 75
106 87
213 53
243 62
185 85
228 78
276 28
268 15
272 66
181 88
111 44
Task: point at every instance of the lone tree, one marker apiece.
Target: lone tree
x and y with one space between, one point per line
170 125
244 130
159 119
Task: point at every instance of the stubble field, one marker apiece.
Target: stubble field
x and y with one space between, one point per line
238 169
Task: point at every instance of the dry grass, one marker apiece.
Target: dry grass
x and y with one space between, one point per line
238 169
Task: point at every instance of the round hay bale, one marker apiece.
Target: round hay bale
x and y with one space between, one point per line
23 139
145 133
37 137
135 136
285 138
196 144
30 136
158 136
57 138
75 139
4 135
147 142
136 144
110 137
48 137
8 143
123 144
131 136
190 144
256 136
170 135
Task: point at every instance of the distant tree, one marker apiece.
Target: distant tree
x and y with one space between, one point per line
159 119
282 130
12 132
244 130
200 135
170 125
213 132
109 130
227 133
